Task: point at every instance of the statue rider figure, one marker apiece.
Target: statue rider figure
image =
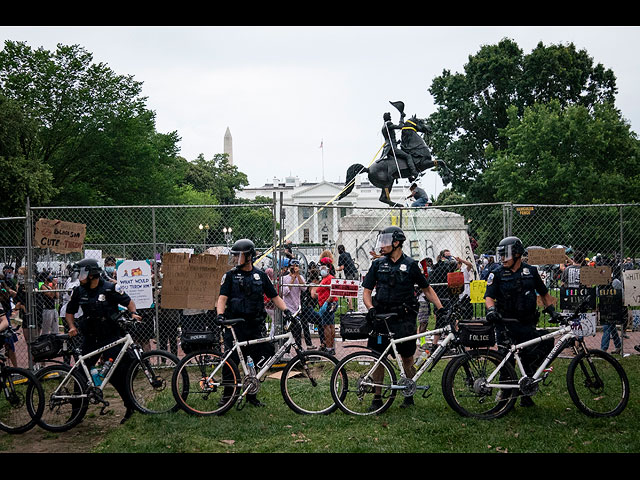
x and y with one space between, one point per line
394 153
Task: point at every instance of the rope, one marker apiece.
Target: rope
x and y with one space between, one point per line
348 185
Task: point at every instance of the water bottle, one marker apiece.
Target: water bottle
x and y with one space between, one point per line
105 368
421 359
95 375
252 370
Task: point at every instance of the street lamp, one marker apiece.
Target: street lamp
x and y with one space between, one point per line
204 228
227 231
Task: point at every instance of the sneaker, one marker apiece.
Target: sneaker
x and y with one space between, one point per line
331 351
637 348
255 402
616 351
127 415
527 402
407 402
376 403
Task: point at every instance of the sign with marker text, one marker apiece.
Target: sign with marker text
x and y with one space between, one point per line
59 236
134 278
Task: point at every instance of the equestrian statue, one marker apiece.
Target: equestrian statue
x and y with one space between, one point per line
407 158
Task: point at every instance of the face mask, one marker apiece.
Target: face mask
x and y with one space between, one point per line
9 276
324 272
109 269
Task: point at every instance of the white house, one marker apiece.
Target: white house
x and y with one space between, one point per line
311 209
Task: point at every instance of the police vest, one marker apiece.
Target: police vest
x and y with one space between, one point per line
99 307
247 295
518 294
394 286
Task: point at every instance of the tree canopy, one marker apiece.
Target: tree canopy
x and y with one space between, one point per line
73 132
511 120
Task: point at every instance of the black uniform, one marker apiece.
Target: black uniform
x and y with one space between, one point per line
515 297
245 291
395 293
97 327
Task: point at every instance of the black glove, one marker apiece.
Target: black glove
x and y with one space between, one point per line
371 315
493 316
551 311
287 315
219 318
440 312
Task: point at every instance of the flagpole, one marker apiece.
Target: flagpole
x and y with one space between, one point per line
322 156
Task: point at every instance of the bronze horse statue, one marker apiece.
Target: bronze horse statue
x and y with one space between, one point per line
392 163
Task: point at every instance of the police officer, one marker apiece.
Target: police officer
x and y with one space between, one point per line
99 300
394 275
242 294
511 293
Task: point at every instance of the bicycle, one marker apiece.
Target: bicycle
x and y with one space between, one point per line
69 390
22 399
208 381
485 385
354 382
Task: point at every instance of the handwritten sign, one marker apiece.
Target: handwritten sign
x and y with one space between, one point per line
598 275
192 281
344 288
476 290
59 236
134 277
546 256
610 305
631 281
570 297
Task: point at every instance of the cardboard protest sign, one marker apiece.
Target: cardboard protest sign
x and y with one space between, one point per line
598 275
344 288
192 281
59 236
135 279
546 256
631 281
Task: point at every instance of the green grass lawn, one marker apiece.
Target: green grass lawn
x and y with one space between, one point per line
554 425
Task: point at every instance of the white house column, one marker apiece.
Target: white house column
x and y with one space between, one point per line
316 234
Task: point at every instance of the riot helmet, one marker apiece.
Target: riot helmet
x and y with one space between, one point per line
509 248
388 235
87 267
242 252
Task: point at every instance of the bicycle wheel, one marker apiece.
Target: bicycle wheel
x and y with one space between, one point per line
598 384
149 382
305 383
463 385
203 384
63 408
354 385
22 400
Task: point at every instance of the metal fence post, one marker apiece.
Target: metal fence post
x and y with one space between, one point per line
28 236
156 277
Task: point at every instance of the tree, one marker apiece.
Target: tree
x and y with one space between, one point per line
572 155
473 105
89 126
216 176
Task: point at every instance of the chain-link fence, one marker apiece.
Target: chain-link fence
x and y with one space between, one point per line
141 239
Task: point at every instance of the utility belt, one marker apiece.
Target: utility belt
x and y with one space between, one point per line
403 309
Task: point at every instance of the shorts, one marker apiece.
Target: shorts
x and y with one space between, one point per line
424 312
326 317
352 276
400 328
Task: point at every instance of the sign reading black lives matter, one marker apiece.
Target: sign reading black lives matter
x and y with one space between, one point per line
60 236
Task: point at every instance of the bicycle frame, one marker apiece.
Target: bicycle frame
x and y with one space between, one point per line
125 341
567 336
430 362
290 340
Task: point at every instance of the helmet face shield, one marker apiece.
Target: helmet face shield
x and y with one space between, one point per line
82 273
504 253
384 240
237 259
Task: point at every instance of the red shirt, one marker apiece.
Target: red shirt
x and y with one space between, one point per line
324 292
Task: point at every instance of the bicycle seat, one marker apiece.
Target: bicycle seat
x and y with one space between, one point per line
381 317
229 321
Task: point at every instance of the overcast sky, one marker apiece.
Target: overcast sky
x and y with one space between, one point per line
283 90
